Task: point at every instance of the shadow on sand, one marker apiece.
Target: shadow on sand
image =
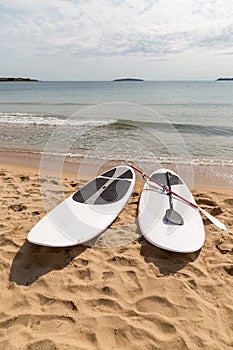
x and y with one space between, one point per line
33 261
167 262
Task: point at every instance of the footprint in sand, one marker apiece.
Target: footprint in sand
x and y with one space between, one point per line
17 207
225 248
56 303
229 269
81 262
42 344
216 211
104 304
25 319
229 201
213 208
107 275
134 281
206 201
24 178
84 274
35 213
8 179
123 261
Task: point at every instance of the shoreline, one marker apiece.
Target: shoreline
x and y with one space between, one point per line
198 175
70 174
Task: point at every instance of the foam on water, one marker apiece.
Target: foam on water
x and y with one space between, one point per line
36 119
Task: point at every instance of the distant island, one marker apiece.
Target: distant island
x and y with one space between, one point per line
18 79
128 79
224 79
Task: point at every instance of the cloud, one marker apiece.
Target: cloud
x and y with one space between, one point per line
91 28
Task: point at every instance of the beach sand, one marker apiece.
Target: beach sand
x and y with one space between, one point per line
130 295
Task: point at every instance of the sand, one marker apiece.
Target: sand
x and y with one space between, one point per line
130 295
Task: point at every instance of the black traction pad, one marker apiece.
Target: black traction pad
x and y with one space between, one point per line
125 175
162 179
88 190
112 191
109 173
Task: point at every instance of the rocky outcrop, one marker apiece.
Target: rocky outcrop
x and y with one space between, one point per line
128 79
224 79
18 79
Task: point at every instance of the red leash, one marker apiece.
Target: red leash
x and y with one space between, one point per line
165 188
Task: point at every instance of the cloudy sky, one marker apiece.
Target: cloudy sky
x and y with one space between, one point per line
107 39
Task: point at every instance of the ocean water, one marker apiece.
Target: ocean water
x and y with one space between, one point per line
182 123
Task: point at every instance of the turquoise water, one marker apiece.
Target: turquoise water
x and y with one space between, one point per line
189 122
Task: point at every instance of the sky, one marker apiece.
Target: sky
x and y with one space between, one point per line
108 39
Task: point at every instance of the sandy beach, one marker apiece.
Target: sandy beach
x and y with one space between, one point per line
130 295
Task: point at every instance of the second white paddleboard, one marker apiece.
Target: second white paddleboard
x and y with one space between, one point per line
154 224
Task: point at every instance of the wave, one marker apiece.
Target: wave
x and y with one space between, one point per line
40 119
148 159
193 129
168 127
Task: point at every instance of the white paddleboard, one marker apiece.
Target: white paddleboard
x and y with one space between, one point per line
87 212
154 224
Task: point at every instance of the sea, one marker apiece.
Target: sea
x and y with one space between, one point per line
185 125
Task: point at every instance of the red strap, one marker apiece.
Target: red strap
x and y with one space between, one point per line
164 188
